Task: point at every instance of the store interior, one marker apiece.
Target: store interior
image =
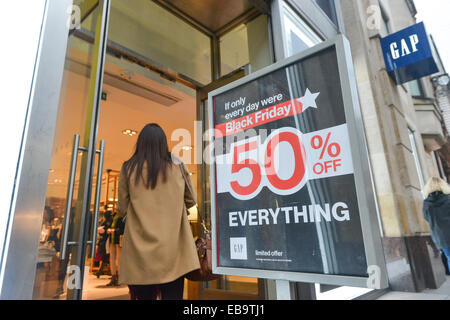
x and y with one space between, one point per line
136 91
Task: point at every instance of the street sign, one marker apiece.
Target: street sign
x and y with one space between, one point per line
408 55
291 192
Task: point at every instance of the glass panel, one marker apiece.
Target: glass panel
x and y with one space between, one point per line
234 50
298 36
385 21
133 97
416 158
329 8
385 27
73 118
147 29
414 88
235 284
206 169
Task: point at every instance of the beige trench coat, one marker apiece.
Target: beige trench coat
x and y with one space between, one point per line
158 245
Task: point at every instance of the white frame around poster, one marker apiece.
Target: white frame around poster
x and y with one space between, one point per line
377 274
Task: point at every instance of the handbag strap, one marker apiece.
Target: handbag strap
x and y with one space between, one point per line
186 182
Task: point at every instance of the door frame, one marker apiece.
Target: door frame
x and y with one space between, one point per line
18 262
94 101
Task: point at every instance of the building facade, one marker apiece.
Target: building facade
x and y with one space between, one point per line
100 70
404 129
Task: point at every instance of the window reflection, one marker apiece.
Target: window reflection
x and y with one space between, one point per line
234 50
147 29
298 36
329 7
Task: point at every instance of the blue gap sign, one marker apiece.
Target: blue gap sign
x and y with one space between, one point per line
408 54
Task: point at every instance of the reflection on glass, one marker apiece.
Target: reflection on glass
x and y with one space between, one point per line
298 36
147 29
72 118
234 50
412 140
241 285
329 8
415 88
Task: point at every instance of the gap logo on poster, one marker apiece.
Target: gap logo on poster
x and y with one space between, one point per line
408 55
238 248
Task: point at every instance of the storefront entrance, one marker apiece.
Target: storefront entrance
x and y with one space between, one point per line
127 64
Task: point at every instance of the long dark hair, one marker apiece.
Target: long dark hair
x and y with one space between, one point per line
151 149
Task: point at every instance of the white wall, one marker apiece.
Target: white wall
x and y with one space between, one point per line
20 29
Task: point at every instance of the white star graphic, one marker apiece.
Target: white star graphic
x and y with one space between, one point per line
309 100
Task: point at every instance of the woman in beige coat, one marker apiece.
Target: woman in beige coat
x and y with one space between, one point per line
158 245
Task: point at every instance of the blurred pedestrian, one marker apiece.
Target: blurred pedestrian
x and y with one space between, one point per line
115 233
101 255
436 210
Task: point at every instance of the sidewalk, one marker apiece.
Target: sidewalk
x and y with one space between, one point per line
443 293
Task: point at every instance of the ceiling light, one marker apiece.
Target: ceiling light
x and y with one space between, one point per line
186 148
129 132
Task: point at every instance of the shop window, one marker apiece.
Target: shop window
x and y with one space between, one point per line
385 28
439 165
146 29
416 158
298 36
329 8
415 88
234 50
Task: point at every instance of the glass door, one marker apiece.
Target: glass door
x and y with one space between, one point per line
226 287
68 232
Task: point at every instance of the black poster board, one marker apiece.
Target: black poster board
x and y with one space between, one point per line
284 188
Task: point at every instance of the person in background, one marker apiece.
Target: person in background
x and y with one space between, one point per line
158 245
55 234
436 210
46 224
115 232
101 255
63 263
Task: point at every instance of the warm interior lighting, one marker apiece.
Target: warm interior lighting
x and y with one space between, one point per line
129 132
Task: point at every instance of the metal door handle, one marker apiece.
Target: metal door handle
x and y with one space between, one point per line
98 190
70 187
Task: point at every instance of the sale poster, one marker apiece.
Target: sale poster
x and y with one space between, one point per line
285 190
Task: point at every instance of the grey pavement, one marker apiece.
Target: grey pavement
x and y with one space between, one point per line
443 293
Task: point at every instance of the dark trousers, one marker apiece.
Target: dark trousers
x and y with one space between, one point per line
169 291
